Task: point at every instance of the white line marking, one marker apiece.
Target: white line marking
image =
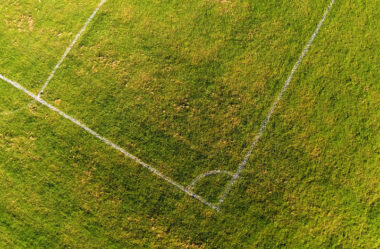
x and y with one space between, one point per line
70 47
213 172
108 142
274 105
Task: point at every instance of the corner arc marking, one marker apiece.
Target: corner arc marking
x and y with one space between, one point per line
213 172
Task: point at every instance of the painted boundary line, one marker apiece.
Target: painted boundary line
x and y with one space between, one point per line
108 142
70 47
243 164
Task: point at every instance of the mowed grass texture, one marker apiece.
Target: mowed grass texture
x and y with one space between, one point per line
185 86
171 82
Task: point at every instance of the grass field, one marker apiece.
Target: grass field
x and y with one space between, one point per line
185 86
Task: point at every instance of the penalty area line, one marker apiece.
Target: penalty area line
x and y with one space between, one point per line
109 142
65 54
68 49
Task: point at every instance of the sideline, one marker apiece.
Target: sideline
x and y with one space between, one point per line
243 163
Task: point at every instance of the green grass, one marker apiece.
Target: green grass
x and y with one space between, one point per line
185 86
34 35
167 102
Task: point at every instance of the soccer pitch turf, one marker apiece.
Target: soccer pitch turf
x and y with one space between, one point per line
183 88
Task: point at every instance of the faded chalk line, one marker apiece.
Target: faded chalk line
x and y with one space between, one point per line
108 142
7 113
70 47
274 105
